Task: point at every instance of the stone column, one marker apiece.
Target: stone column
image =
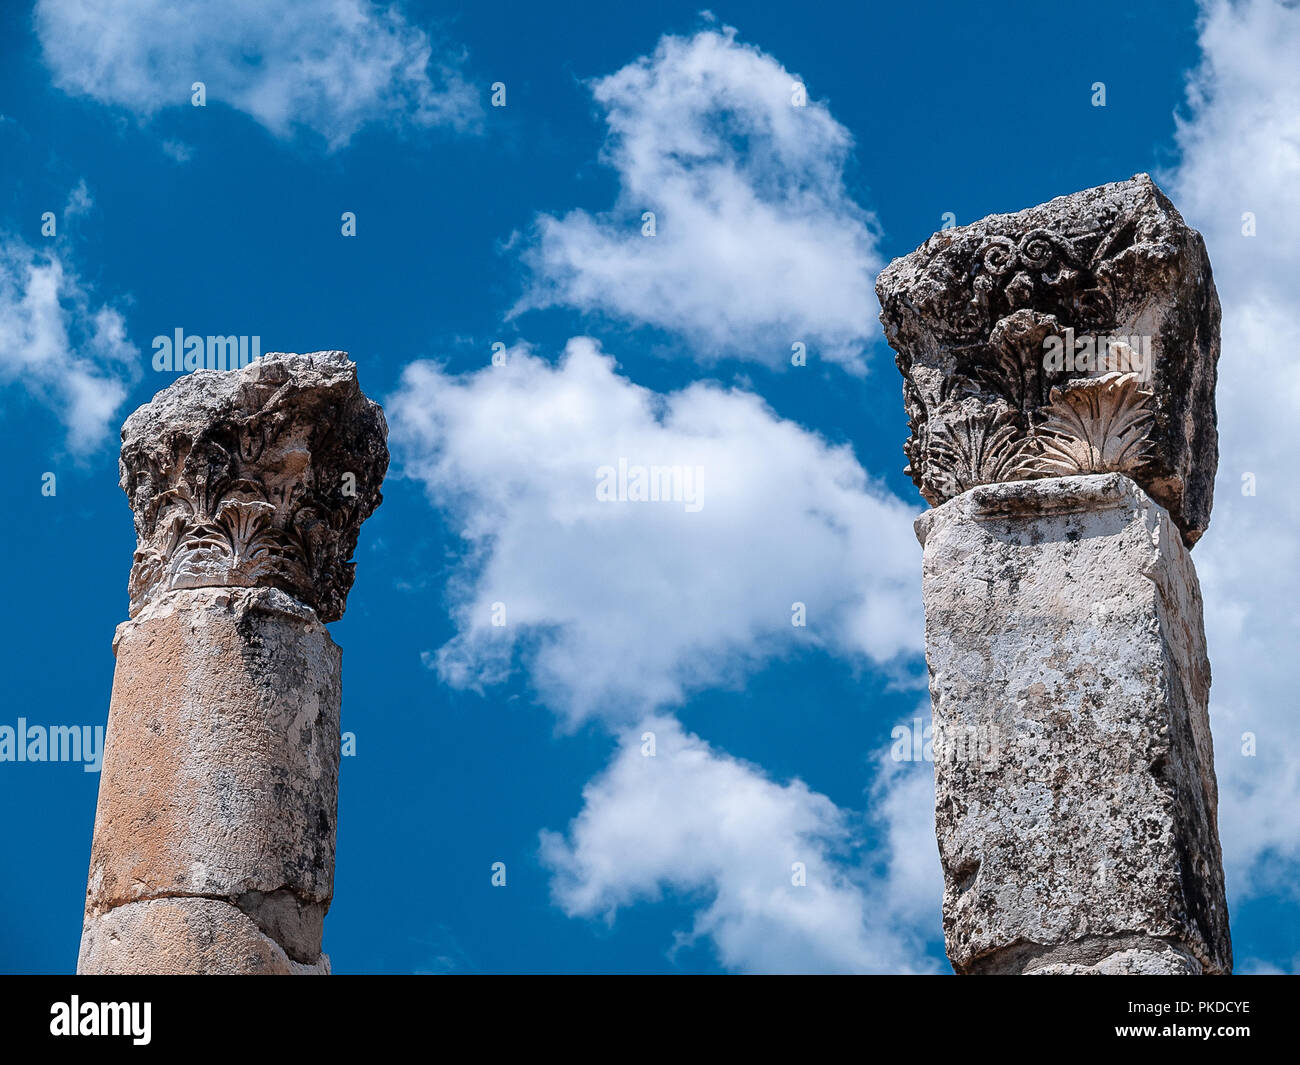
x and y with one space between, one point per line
214 836
1059 367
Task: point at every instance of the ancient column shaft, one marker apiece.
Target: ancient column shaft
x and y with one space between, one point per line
1075 794
215 829
1059 368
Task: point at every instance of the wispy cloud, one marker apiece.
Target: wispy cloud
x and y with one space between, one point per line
328 66
69 352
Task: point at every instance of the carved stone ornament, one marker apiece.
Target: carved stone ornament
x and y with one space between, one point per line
259 477
1079 336
1098 426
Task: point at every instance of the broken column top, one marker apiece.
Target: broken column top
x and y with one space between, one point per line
1080 336
256 477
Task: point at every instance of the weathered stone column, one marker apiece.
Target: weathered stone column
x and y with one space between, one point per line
214 836
1059 369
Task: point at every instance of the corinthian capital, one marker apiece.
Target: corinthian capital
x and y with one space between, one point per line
1077 337
259 477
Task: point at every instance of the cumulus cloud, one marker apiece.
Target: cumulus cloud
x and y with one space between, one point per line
1241 153
693 820
620 607
330 66
617 608
757 243
68 352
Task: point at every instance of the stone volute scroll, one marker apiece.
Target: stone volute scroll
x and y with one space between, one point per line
1077 337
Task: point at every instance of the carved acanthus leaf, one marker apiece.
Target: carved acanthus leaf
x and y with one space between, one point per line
259 477
975 449
1098 425
997 313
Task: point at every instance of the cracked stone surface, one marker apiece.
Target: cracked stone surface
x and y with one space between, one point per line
1078 828
983 317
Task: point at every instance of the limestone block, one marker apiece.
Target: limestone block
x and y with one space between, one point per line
1079 336
1075 792
184 937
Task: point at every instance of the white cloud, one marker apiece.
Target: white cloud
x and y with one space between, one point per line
177 151
79 202
1257 967
618 608
758 244
1241 152
909 878
330 66
693 820
67 352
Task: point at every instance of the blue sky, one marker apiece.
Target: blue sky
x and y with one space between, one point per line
522 225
